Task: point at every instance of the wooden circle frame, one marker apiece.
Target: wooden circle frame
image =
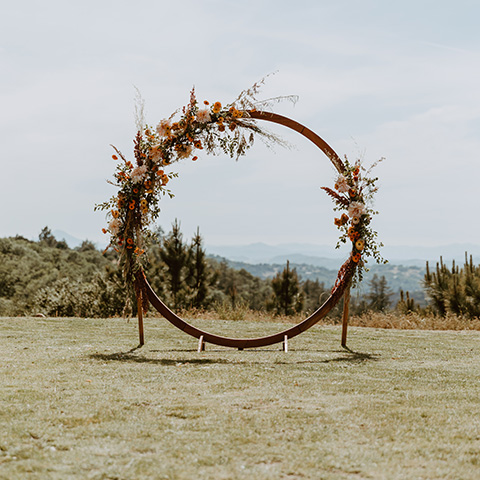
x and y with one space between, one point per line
342 288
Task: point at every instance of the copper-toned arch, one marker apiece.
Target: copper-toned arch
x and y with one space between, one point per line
347 270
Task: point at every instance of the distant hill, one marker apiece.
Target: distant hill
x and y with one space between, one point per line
328 256
399 277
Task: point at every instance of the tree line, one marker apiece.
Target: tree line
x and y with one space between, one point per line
48 277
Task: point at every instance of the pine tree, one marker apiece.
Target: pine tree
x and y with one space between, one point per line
174 254
198 274
379 295
288 298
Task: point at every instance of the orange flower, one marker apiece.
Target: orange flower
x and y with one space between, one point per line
135 190
198 144
217 106
194 159
356 258
129 164
232 126
115 213
160 173
103 230
165 179
131 206
352 192
341 221
360 244
130 241
221 127
353 234
114 157
206 102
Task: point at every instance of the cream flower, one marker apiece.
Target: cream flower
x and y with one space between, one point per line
138 174
164 128
342 185
356 209
155 153
114 226
203 116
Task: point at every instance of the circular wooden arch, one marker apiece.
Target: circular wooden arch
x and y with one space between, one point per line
348 269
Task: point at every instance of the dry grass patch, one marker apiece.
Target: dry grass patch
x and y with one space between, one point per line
79 401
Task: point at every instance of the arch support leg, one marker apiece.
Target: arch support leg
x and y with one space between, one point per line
140 318
346 305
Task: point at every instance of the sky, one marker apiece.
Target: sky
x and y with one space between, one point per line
375 79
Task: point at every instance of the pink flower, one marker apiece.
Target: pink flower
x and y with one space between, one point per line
356 209
164 128
155 153
203 116
138 174
114 226
342 185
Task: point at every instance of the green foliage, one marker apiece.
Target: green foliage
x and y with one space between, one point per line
288 297
198 275
79 281
455 290
174 255
406 304
379 294
315 294
238 287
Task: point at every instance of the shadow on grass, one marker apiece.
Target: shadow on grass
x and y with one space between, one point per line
348 356
130 357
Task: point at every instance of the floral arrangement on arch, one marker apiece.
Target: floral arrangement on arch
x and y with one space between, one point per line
211 127
353 196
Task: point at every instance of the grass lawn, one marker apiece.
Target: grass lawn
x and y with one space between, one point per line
79 401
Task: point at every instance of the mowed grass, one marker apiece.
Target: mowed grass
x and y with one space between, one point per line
79 401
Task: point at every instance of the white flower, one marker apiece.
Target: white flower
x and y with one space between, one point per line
164 127
203 116
342 185
356 209
114 226
138 174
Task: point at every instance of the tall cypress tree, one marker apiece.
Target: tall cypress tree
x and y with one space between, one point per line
198 275
288 298
379 295
174 255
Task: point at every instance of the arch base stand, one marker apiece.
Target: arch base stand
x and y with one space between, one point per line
242 343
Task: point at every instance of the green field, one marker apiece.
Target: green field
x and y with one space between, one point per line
79 401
